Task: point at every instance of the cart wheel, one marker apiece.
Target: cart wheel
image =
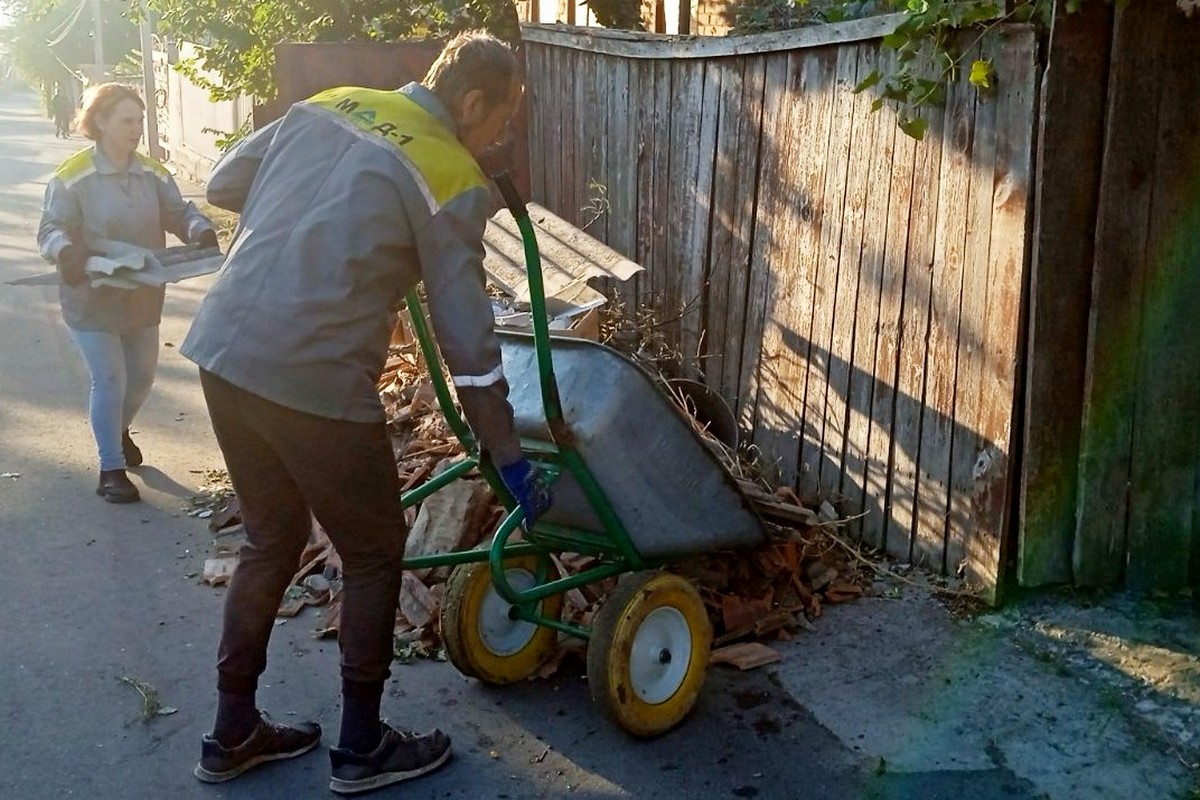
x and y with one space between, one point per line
648 654
482 640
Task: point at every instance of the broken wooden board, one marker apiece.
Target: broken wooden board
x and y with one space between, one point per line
744 656
417 603
218 571
450 519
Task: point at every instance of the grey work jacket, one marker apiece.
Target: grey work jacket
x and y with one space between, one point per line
346 203
88 200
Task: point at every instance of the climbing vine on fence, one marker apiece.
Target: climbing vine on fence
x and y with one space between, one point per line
930 53
931 44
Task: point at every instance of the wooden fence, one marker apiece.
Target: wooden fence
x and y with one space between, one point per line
854 294
1112 469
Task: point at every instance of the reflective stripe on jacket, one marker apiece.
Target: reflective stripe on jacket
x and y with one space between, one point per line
89 200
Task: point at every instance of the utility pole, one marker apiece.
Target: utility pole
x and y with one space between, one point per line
146 29
98 39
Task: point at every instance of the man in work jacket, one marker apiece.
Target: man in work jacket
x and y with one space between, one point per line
346 203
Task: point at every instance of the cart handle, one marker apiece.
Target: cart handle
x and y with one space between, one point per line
551 403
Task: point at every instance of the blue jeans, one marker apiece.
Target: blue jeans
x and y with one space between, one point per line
122 367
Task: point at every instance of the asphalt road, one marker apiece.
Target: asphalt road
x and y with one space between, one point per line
93 594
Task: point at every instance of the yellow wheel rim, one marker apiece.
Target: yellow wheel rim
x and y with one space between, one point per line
482 639
648 656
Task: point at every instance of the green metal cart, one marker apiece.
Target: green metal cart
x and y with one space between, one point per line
634 487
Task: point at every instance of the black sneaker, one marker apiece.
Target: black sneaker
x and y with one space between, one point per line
400 756
115 487
132 453
268 742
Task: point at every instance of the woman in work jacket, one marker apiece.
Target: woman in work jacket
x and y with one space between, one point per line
111 192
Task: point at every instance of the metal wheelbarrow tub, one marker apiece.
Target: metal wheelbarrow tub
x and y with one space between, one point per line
668 489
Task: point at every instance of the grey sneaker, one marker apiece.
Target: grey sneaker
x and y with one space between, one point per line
400 756
268 742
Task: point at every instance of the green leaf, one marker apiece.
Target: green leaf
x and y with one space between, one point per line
869 81
914 127
982 73
878 104
895 40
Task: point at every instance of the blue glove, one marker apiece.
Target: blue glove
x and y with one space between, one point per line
527 486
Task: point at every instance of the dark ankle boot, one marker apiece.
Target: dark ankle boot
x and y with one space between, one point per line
115 487
133 455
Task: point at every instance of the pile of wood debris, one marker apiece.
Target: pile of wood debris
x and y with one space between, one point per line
753 597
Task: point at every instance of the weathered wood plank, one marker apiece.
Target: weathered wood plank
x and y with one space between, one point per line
872 149
621 164
536 114
987 550
682 307
697 185
747 121
816 91
541 114
790 238
600 195
1121 230
589 131
893 245
760 275
980 277
600 182
661 219
938 412
1195 568
648 45
722 308
913 333
817 462
555 150
840 366
643 106
1163 465
568 71
1070 140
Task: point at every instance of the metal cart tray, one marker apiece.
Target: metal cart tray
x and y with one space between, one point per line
670 491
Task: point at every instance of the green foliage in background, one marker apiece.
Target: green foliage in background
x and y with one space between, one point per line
761 16
239 38
929 54
626 14
929 49
49 39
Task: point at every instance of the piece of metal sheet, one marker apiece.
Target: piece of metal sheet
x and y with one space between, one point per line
669 490
570 258
127 266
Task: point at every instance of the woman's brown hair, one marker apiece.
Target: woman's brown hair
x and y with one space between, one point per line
98 103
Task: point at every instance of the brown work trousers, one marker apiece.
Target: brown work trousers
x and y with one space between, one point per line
285 464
